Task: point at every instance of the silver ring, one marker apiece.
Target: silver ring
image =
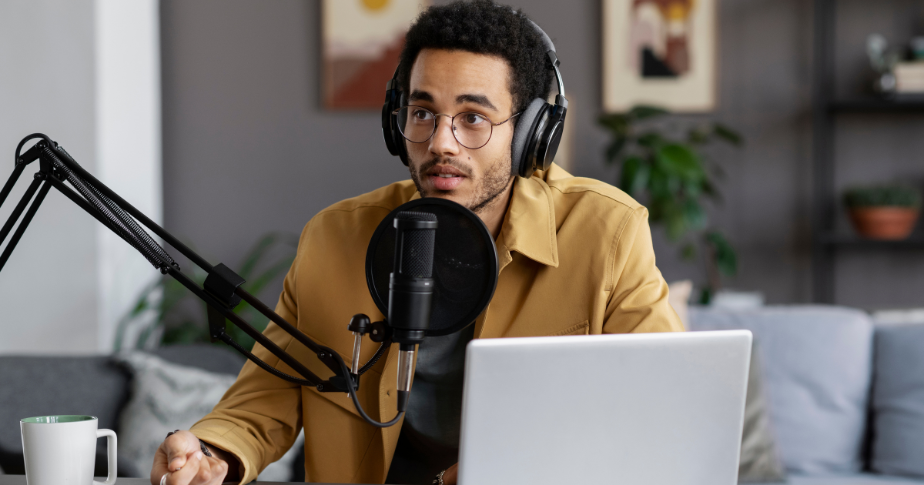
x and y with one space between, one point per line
163 479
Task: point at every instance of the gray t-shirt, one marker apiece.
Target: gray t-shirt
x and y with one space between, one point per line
429 441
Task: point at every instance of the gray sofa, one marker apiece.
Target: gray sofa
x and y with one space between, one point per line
97 386
845 396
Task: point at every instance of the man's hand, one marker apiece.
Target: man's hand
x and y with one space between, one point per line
181 459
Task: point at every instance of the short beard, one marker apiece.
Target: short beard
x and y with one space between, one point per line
495 181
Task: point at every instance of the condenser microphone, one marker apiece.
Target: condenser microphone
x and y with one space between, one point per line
410 290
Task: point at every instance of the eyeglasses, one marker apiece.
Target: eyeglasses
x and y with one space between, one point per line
472 130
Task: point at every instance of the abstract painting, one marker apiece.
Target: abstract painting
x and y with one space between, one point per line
659 52
362 40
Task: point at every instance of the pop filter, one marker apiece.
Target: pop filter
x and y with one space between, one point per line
464 264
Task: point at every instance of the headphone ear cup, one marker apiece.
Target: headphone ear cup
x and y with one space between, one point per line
550 138
399 140
394 141
387 126
523 136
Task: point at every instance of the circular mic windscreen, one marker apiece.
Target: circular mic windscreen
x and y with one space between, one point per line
417 248
464 265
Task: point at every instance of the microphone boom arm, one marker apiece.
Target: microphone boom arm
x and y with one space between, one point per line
222 288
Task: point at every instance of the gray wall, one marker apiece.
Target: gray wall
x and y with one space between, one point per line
48 286
84 73
247 148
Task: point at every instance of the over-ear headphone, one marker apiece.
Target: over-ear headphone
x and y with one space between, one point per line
535 138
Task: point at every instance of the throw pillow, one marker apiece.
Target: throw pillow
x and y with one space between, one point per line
760 461
817 370
679 296
166 397
898 401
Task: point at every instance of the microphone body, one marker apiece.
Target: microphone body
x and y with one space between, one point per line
410 290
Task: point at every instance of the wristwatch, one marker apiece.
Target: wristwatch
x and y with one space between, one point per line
206 452
439 478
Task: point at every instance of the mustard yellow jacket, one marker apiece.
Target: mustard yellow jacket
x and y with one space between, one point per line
575 258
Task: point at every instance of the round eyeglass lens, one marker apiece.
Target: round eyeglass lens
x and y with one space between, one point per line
472 130
415 123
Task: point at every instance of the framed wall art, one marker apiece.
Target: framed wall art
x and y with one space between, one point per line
659 52
361 43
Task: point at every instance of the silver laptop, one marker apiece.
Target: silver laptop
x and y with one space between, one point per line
646 409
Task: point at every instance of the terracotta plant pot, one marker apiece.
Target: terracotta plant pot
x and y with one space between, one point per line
888 223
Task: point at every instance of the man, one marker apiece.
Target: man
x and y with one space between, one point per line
575 258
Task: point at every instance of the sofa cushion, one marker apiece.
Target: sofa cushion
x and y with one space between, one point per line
817 367
208 357
898 401
39 386
853 479
42 385
760 459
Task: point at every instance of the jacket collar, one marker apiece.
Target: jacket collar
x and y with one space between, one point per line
529 225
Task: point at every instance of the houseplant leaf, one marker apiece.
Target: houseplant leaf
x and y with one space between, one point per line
725 257
643 112
680 161
725 133
615 148
635 173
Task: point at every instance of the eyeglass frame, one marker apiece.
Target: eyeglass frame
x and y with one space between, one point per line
452 120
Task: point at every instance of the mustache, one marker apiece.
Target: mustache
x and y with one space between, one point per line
452 162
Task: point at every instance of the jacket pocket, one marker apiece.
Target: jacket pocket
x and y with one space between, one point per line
582 328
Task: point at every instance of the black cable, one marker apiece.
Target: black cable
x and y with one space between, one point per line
282 375
359 407
375 358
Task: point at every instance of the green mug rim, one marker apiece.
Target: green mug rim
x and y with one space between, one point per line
58 418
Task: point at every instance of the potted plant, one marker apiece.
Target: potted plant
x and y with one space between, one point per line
887 212
167 313
672 177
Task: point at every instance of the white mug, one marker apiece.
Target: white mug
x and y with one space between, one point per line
61 450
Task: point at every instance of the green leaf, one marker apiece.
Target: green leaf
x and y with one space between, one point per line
270 274
642 112
634 177
254 254
692 188
615 148
258 251
725 133
697 136
617 123
726 259
709 190
650 140
659 184
688 251
694 214
705 298
679 160
675 224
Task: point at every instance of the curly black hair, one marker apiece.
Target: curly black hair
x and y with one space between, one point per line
483 27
